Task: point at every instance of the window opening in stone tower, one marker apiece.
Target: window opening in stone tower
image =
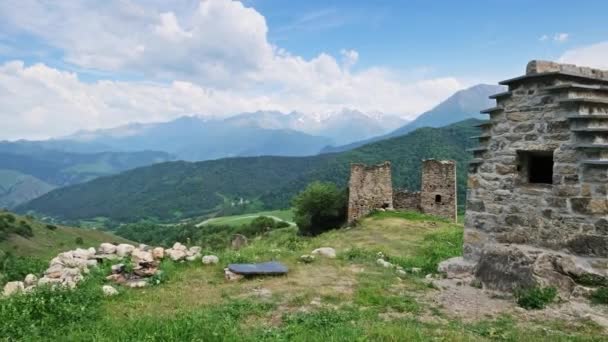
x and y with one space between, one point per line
536 166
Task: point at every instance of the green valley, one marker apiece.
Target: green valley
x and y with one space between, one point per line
177 190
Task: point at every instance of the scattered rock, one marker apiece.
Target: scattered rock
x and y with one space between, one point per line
107 248
307 258
327 252
505 268
401 273
144 247
83 253
13 287
416 270
48 281
136 284
231 276
179 247
124 250
30 280
109 291
158 253
238 241
456 268
176 254
139 256
210 260
118 268
384 263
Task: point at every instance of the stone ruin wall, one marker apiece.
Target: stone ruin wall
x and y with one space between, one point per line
406 200
520 232
438 195
370 187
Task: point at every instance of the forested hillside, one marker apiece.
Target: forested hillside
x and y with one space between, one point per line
30 169
176 190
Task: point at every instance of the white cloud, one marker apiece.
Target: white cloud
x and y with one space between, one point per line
349 58
595 55
561 37
211 58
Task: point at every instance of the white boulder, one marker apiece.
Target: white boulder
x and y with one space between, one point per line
124 250
54 271
327 252
13 287
30 280
384 263
210 260
158 253
179 247
139 256
176 254
109 291
195 250
81 253
107 248
231 276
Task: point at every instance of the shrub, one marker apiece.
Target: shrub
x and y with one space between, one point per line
51 227
319 208
535 298
15 268
79 241
600 296
24 229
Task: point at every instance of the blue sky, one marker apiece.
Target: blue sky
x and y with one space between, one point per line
80 64
484 39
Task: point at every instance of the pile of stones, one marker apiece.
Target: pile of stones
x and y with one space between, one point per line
136 265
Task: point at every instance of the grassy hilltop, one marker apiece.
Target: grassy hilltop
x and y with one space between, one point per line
27 237
350 298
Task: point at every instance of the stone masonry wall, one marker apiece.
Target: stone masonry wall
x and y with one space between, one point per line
370 187
554 110
406 200
438 194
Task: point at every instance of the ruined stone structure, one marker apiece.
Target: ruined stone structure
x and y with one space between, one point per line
406 200
371 188
438 188
537 203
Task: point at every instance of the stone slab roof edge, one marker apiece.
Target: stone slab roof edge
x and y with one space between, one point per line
538 68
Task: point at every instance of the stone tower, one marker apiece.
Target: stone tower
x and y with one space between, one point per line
537 202
370 187
438 188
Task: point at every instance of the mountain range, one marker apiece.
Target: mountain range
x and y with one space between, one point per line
177 190
197 138
462 105
29 169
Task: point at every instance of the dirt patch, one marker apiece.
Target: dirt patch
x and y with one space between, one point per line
457 299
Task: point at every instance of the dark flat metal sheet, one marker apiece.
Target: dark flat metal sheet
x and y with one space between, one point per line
265 268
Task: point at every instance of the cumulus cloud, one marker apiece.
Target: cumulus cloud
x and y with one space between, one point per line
211 57
595 55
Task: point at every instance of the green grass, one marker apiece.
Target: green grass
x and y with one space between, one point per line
238 220
46 243
345 299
